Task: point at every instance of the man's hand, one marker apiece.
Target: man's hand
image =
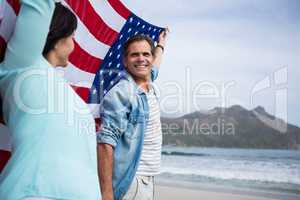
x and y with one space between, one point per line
159 50
163 36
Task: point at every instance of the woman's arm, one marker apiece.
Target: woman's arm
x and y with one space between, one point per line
28 40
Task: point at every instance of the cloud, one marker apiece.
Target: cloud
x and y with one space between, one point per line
158 10
223 41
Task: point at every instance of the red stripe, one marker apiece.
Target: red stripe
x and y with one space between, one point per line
4 157
98 124
2 48
2 40
82 92
83 60
93 21
120 8
15 5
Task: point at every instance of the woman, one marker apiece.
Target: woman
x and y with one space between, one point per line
53 134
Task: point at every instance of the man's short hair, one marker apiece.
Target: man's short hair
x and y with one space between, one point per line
138 38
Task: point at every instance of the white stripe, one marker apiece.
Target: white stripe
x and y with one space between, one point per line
148 172
154 146
154 118
149 167
152 123
87 41
5 143
8 21
108 14
153 130
76 76
1 10
150 139
94 108
152 150
154 127
153 135
149 160
146 165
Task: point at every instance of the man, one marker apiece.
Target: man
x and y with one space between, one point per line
129 143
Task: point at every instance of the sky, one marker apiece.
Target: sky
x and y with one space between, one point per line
226 52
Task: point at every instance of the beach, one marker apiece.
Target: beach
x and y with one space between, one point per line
176 193
216 173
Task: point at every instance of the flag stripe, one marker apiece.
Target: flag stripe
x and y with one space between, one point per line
5 140
4 155
83 60
78 77
93 21
120 8
82 92
94 108
88 41
15 5
108 14
2 49
98 124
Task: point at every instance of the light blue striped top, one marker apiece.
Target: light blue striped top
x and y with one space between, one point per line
53 133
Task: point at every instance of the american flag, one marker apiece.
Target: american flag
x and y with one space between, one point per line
96 63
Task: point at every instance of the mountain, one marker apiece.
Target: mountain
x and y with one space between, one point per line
233 127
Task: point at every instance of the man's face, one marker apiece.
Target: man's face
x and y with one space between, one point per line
138 61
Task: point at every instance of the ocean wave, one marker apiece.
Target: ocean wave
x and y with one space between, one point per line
234 175
179 153
249 157
235 183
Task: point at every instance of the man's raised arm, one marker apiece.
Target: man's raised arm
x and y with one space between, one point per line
159 49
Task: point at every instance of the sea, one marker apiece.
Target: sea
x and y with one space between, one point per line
273 173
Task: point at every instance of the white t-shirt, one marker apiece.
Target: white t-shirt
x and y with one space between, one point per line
151 153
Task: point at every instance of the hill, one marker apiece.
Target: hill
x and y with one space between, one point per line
233 127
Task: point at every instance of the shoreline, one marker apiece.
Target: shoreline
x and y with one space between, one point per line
185 190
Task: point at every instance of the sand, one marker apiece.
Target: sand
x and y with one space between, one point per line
177 193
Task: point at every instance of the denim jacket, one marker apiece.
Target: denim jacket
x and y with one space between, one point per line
124 116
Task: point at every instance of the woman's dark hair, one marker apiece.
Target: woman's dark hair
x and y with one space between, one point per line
63 24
